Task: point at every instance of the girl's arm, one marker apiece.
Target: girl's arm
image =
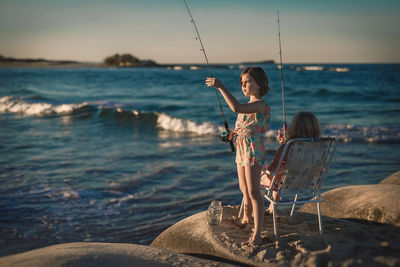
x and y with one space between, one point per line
275 161
233 103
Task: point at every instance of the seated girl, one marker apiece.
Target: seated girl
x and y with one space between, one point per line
303 125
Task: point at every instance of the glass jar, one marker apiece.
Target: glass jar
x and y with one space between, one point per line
214 212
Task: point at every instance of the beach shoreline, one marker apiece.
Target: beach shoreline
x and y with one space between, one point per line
351 238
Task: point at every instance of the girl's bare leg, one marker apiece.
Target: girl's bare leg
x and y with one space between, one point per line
248 208
274 194
253 175
268 184
276 198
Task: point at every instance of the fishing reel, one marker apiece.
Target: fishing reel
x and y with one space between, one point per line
281 134
228 137
224 136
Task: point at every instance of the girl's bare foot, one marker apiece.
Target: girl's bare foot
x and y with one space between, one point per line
270 210
245 220
248 210
240 224
255 241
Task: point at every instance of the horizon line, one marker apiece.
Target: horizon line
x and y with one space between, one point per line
203 63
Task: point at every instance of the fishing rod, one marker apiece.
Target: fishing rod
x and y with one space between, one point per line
224 137
281 67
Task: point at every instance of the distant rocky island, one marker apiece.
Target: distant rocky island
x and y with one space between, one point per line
127 60
114 61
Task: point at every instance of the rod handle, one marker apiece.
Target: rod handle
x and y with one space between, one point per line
228 131
232 146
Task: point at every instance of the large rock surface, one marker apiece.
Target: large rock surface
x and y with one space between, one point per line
102 254
392 179
374 203
195 236
361 227
344 242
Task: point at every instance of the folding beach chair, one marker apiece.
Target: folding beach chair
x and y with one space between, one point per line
302 168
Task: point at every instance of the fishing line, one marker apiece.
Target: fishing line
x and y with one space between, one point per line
281 67
209 70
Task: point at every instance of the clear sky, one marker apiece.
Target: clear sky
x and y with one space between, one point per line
312 31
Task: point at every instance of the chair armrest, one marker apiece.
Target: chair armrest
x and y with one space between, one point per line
268 171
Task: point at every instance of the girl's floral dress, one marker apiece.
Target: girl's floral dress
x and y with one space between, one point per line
250 130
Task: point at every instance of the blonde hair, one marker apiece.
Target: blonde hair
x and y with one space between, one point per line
304 124
259 76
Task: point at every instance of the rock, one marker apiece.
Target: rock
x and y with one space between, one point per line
373 203
344 241
127 60
392 179
102 254
194 235
192 228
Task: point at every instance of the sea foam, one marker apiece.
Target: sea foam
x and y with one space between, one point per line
180 125
10 104
167 122
347 133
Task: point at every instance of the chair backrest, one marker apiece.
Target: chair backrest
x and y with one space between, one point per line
306 163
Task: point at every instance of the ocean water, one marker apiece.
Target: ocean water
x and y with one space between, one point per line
119 155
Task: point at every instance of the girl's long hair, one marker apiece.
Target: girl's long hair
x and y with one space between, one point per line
303 125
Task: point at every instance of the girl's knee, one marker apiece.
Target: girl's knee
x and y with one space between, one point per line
255 194
243 188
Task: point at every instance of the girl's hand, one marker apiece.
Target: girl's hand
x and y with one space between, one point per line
280 137
214 82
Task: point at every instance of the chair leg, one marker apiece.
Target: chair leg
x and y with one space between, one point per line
275 223
295 199
319 219
241 211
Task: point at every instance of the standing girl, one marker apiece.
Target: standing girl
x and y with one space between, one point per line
252 122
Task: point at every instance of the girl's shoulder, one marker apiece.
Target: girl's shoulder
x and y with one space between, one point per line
265 107
263 103
261 107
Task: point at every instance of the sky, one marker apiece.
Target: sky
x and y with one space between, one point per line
233 31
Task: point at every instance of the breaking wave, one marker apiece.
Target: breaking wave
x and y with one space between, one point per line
347 133
106 110
167 122
10 104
